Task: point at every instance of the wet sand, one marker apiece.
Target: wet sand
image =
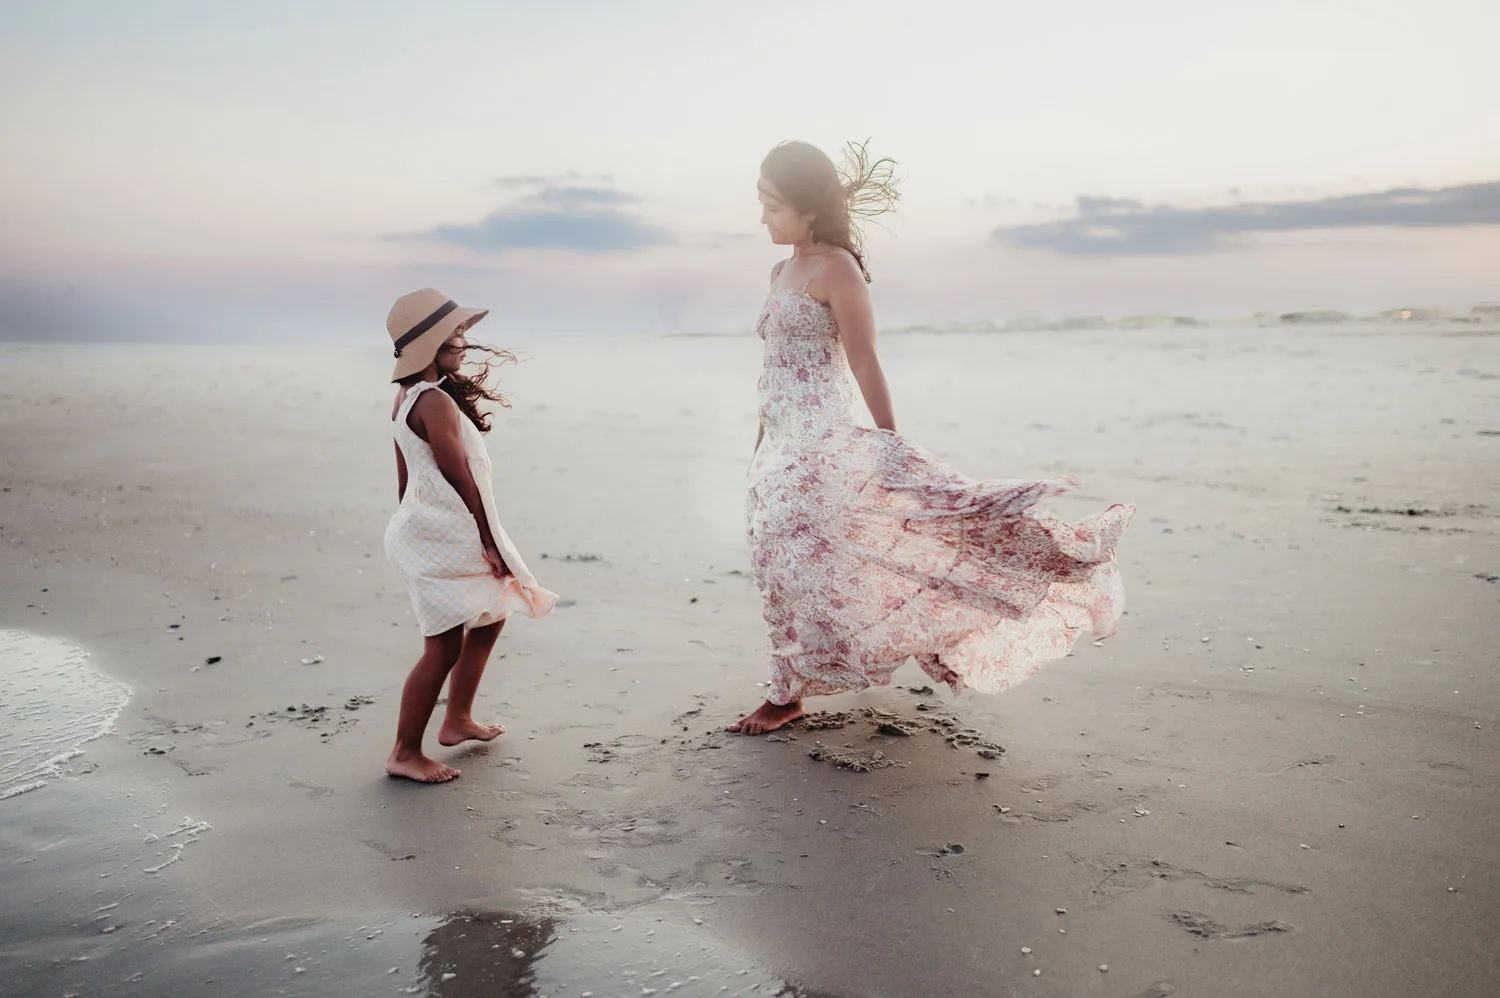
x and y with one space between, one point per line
1280 778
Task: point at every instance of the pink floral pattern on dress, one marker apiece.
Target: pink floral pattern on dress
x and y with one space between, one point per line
868 550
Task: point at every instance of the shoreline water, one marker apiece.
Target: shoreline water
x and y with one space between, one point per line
1304 663
52 704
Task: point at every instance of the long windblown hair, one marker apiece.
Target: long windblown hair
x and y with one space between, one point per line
468 390
838 198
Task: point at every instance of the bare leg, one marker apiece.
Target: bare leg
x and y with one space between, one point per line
459 724
767 717
418 697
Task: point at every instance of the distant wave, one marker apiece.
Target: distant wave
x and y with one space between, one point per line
1487 315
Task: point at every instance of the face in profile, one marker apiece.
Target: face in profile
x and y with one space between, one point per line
785 226
450 356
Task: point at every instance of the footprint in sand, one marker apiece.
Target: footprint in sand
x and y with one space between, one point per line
626 748
314 792
1161 989
1204 927
1041 783
1452 774
1068 811
639 828
1121 875
389 852
192 768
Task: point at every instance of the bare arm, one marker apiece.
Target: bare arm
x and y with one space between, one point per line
760 430
436 420
849 297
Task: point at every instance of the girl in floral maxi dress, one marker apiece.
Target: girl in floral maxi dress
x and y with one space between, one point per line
867 549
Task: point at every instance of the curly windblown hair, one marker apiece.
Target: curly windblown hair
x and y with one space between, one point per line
468 390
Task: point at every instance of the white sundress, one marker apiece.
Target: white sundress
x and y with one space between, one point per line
434 543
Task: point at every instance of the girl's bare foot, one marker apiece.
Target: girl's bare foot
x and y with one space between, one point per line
457 732
416 766
767 717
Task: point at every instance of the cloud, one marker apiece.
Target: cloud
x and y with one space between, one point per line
577 197
554 216
1105 226
588 231
537 179
525 180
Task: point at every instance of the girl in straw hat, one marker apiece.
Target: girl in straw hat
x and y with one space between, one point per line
464 575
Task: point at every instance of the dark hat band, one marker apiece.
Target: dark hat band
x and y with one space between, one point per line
423 326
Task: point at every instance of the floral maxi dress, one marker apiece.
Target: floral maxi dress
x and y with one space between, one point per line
869 550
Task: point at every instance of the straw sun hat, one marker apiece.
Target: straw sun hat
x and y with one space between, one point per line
420 323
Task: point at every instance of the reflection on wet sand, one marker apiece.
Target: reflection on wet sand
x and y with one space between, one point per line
485 953
497 954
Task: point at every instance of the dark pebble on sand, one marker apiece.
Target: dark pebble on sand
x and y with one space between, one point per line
173 627
213 660
981 776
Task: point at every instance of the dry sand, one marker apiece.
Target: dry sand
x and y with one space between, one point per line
1279 779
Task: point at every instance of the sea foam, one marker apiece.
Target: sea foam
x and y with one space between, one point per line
52 703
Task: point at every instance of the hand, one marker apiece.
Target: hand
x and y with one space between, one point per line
498 568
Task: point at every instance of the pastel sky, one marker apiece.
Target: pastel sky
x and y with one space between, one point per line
209 169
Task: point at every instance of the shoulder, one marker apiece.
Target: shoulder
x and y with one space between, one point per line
776 270
841 272
841 263
432 403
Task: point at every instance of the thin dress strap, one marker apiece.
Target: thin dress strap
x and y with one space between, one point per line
816 271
